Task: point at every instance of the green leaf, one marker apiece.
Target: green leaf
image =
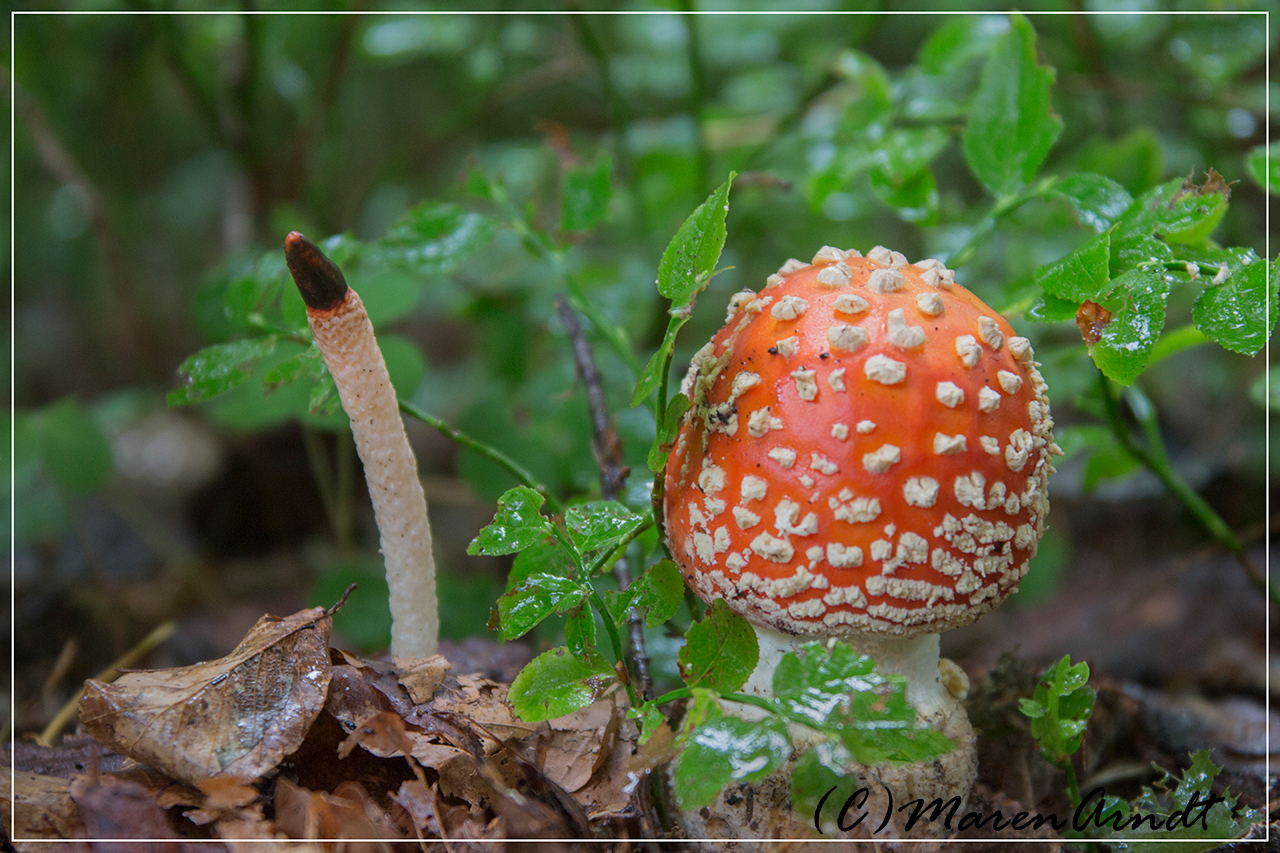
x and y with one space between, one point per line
1125 345
1224 819
73 448
1061 709
549 555
827 764
1051 309
516 526
435 238
720 651
661 447
536 598
580 632
1240 311
1256 163
558 682
584 198
685 269
306 365
1098 200
1177 211
959 42
600 525
690 258
726 751
1081 275
658 592
1011 125
219 368
838 691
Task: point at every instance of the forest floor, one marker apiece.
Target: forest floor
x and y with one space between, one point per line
1174 633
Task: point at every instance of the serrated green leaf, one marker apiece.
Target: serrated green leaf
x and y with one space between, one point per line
584 196
690 258
600 525
1081 275
247 296
1011 126
558 682
827 764
1051 309
219 368
580 632
306 365
1197 825
1098 201
1262 174
434 238
536 598
725 751
549 556
658 592
1240 312
1177 211
73 448
720 651
517 525
838 691
1124 346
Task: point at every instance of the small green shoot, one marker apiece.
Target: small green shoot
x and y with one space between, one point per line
1059 713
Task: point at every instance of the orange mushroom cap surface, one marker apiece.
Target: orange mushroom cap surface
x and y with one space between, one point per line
867 452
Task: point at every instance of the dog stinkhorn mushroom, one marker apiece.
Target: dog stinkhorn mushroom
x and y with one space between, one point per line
345 339
866 457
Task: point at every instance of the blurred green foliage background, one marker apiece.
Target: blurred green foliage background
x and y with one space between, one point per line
160 160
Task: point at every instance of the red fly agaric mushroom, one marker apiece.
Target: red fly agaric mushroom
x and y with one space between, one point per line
865 457
345 338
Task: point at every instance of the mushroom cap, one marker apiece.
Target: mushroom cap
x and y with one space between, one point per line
867 452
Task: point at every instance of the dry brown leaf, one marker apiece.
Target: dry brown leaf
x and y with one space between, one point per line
236 716
117 808
42 808
347 813
483 702
422 676
580 743
381 734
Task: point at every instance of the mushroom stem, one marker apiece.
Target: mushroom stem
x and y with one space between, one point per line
915 658
344 335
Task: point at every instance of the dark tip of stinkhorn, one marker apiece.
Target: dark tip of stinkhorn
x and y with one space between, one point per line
319 280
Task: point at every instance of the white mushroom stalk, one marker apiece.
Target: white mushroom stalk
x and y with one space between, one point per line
345 338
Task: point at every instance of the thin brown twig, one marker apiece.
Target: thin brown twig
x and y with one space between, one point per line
613 473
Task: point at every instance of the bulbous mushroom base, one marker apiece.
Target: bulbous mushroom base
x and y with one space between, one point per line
750 812
748 815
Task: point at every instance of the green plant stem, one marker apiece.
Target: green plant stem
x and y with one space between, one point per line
615 640
1155 460
615 555
987 224
493 454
